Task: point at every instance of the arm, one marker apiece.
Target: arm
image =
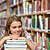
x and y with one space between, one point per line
29 43
3 40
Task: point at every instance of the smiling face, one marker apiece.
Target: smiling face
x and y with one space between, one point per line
16 28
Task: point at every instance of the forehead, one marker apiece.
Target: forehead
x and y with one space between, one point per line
15 23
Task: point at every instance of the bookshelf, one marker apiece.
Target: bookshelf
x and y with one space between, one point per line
3 16
32 11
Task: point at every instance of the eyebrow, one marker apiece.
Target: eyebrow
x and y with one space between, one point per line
18 26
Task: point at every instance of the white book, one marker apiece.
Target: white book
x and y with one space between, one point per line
16 42
15 46
43 41
37 37
14 2
35 6
30 8
24 8
40 20
29 23
15 49
35 22
46 24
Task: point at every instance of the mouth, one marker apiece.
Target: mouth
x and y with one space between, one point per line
17 33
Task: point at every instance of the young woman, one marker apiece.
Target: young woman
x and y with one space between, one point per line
14 31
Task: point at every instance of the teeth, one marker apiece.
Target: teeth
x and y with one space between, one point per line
16 32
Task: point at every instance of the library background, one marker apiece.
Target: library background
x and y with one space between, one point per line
35 15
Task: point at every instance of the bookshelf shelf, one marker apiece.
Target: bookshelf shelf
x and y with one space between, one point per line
41 31
20 3
28 0
21 15
3 10
39 13
2 26
11 6
3 18
28 29
3 1
24 15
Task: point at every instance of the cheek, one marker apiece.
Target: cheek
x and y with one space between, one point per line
12 30
20 28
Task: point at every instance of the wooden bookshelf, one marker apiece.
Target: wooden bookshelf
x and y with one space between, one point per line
45 13
3 15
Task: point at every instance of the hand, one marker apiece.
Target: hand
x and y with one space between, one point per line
14 37
7 37
22 38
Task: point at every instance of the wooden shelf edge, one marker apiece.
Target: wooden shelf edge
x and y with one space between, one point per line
11 6
38 13
2 1
28 29
41 31
3 9
2 26
3 17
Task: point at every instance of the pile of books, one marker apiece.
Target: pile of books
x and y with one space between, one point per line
15 45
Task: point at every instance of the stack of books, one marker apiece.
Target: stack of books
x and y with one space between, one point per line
15 45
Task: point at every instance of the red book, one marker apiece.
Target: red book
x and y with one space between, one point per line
38 8
48 4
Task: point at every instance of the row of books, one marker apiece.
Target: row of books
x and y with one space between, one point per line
39 6
3 6
15 45
3 14
41 40
3 22
16 11
14 2
38 22
26 23
21 10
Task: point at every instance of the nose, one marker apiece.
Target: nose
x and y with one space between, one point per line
17 29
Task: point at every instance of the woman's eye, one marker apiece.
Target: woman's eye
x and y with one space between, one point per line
19 26
14 27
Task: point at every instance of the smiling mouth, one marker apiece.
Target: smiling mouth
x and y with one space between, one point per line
17 33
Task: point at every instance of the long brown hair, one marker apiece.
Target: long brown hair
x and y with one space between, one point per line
9 21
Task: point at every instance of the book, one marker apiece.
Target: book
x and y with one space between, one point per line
15 45
16 42
15 49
